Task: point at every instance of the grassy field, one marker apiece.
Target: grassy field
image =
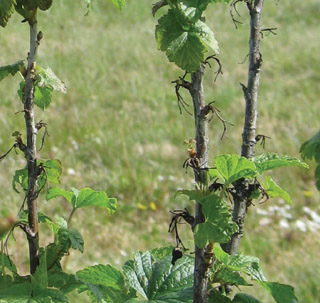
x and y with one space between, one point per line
119 129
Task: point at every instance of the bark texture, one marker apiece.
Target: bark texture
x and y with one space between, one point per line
202 257
31 153
242 193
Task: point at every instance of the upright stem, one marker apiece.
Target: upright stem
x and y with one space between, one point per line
201 124
33 236
242 193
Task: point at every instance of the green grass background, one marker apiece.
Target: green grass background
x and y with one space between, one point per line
118 128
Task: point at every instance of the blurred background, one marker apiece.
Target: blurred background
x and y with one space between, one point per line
118 129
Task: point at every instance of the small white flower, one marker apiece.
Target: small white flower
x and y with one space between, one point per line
300 225
264 222
172 178
71 172
160 178
284 223
54 149
262 212
123 253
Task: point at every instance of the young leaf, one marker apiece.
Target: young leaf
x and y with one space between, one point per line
76 240
234 167
161 252
10 69
281 293
248 265
218 226
63 281
53 170
217 297
59 192
311 148
244 298
47 78
230 277
7 263
20 177
6 10
184 41
195 195
271 161
159 280
42 96
274 190
39 279
84 197
90 197
104 275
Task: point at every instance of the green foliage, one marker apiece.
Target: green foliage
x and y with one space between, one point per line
244 298
45 83
185 38
160 281
50 172
11 69
7 263
84 197
274 190
6 10
218 226
230 168
311 149
280 292
269 161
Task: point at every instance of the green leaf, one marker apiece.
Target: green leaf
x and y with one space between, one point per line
53 170
59 192
162 252
220 254
10 69
46 78
274 190
218 226
230 277
160 281
248 265
271 161
7 262
184 41
20 177
234 167
39 279
281 293
244 298
42 96
6 10
63 281
76 240
52 173
90 197
195 195
311 148
217 297
104 275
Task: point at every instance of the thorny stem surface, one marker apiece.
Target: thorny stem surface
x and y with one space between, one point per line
31 153
242 193
202 256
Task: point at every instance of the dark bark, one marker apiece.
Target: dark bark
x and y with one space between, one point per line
202 256
242 193
31 153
